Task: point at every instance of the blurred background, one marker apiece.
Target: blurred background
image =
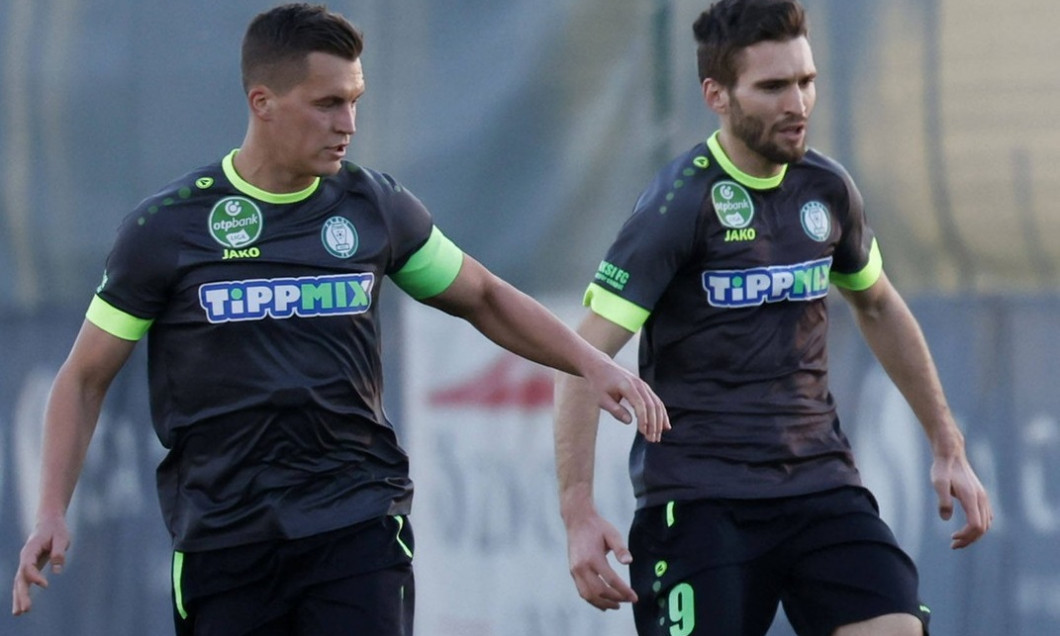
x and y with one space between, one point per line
528 128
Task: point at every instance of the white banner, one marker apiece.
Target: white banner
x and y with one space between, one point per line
491 555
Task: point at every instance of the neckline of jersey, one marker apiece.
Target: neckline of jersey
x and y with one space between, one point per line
263 195
756 183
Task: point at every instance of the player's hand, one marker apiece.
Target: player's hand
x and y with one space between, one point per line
615 385
953 477
589 540
47 544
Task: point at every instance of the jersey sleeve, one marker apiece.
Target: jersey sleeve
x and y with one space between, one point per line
431 269
424 261
857 263
653 244
136 280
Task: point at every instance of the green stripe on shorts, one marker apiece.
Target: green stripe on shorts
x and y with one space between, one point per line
178 595
404 547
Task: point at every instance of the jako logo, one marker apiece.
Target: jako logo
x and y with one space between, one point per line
285 297
751 287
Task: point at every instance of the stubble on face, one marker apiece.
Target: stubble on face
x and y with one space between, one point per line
759 138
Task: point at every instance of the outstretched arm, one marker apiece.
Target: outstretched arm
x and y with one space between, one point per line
69 422
895 337
590 537
523 326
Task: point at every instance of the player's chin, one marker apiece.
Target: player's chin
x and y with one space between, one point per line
791 153
330 161
328 168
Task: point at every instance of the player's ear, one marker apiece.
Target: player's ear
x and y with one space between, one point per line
261 101
715 96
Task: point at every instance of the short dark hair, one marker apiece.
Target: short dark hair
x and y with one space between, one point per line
278 41
729 26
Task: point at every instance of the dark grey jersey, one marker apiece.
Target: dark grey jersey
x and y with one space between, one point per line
261 312
728 275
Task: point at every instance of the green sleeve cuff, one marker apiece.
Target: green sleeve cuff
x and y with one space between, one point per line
615 308
864 279
432 269
116 322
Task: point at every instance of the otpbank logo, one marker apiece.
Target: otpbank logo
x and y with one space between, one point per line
751 287
307 296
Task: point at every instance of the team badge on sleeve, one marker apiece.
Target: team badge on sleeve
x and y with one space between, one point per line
732 204
235 222
816 220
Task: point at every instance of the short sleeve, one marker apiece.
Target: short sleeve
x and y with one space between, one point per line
651 247
424 262
857 263
137 277
432 269
409 224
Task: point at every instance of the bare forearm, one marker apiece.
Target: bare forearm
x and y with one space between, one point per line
577 421
575 440
521 325
899 345
895 337
69 421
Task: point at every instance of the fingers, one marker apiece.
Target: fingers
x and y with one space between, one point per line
596 580
601 586
662 416
942 489
650 412
617 585
19 598
967 535
615 408
656 420
635 393
979 518
626 397
44 546
26 575
956 479
57 559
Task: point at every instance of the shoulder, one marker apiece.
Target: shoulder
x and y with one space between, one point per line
192 194
367 182
407 221
821 168
681 183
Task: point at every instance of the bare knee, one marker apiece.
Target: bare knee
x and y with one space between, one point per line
887 625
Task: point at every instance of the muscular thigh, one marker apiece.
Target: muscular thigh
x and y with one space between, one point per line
889 625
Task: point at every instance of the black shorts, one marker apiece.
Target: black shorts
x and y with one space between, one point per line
354 581
721 567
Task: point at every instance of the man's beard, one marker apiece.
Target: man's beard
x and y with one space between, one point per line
752 132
